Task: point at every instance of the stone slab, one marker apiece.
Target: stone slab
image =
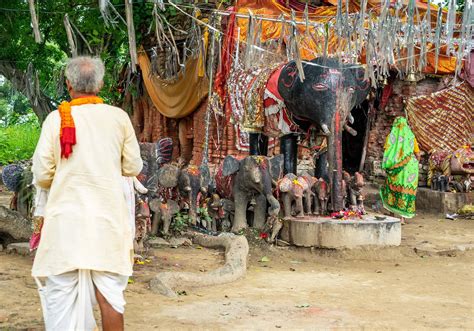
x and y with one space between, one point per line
427 200
441 202
325 232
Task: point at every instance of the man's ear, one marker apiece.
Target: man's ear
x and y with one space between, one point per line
69 86
101 85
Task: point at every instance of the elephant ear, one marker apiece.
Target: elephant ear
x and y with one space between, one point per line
173 206
231 166
285 184
155 205
168 176
276 166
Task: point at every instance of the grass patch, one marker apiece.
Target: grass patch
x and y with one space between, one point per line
18 142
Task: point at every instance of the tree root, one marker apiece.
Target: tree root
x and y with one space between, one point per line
14 226
235 267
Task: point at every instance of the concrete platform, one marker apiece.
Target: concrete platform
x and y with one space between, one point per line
325 232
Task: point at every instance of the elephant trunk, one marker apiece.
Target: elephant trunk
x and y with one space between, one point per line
335 150
166 223
274 208
192 207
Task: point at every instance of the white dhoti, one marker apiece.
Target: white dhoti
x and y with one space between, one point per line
68 299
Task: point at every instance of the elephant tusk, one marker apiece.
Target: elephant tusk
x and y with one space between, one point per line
350 130
350 118
325 129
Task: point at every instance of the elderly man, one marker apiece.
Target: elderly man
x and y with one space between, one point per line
85 251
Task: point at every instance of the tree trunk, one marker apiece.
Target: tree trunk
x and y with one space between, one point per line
42 105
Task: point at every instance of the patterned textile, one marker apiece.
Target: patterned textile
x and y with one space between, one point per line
68 129
443 121
277 120
399 192
224 184
257 106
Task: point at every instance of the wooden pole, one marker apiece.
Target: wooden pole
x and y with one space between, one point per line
366 138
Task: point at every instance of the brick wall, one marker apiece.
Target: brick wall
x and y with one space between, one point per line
384 118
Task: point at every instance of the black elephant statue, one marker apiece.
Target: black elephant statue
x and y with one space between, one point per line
324 99
247 179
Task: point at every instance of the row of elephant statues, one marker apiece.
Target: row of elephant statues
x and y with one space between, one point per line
243 192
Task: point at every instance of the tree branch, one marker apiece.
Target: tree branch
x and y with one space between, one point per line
40 103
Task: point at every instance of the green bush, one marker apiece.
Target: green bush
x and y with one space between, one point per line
18 142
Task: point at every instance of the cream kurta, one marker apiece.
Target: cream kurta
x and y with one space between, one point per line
86 217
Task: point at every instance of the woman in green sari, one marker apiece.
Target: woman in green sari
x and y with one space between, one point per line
400 162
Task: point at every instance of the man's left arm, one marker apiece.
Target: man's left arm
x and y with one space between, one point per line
44 165
132 162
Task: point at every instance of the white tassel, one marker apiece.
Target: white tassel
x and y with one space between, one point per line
131 35
250 40
34 21
70 37
450 21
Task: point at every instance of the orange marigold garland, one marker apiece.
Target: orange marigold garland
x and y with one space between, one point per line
68 129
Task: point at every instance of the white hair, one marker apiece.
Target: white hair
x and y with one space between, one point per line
85 74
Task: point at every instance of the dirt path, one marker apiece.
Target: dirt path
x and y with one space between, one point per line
392 288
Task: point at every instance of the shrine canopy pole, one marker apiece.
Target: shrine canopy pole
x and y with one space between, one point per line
205 158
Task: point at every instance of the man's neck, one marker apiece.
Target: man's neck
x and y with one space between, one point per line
75 95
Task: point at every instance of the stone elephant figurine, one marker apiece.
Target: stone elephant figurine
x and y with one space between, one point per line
355 185
163 215
222 212
459 162
192 182
322 194
154 156
293 189
244 180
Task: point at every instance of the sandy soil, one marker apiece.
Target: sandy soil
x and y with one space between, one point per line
393 288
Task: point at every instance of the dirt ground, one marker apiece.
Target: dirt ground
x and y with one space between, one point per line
427 283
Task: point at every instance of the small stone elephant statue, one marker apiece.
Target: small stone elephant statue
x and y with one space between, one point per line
222 212
292 190
322 190
355 185
163 214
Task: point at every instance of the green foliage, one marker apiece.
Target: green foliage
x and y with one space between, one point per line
180 222
18 142
203 214
459 4
14 107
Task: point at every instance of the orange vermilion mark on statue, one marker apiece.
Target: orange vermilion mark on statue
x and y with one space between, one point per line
68 129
